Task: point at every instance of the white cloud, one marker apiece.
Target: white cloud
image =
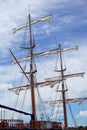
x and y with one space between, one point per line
9 73
82 114
4 86
14 13
58 110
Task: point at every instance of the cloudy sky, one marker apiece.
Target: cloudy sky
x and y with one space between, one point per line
68 26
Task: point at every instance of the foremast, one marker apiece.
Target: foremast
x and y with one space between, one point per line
31 46
32 72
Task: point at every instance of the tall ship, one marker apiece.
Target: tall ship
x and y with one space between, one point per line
37 120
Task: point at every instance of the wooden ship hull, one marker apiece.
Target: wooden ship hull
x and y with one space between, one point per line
32 125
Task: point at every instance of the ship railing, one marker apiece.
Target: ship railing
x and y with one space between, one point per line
11 123
45 125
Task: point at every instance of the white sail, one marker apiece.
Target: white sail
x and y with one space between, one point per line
50 52
46 18
71 100
49 81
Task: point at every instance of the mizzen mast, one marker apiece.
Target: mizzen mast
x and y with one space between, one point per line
63 89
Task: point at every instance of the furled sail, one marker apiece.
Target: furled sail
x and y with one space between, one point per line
46 18
73 100
49 81
45 53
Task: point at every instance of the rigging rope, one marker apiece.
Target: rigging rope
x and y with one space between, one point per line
56 62
72 113
24 68
24 37
22 105
40 102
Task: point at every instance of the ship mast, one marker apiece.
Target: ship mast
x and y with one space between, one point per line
31 71
49 80
31 46
63 90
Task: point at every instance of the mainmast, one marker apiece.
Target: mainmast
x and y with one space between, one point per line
31 71
63 89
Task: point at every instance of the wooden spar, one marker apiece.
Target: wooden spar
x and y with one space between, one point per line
49 81
24 87
63 92
19 64
13 109
67 100
66 76
31 72
32 22
49 52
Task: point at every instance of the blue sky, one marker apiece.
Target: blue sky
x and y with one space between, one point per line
68 26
